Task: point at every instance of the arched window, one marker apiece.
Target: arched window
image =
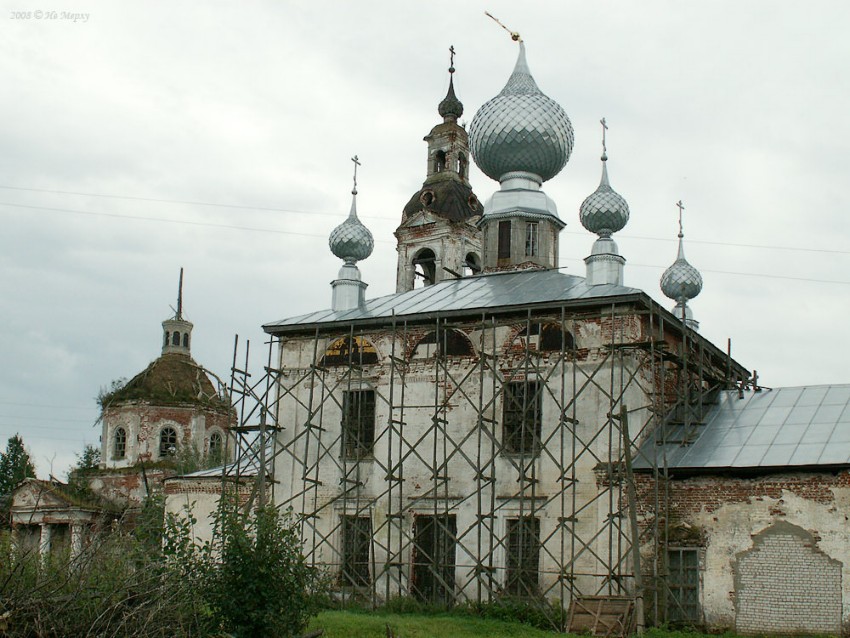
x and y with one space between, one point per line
471 264
175 339
345 350
216 445
185 339
119 445
425 268
439 161
546 337
167 442
450 343
167 335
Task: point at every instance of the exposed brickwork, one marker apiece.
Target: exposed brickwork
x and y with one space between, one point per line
708 493
786 585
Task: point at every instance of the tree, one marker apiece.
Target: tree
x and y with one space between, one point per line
15 465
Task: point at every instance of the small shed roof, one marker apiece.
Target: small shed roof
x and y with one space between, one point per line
776 428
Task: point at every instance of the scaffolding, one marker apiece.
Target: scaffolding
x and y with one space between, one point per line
437 502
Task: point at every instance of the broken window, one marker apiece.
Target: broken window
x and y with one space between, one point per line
216 444
449 343
548 337
356 539
167 442
531 239
505 239
439 161
358 423
683 586
345 350
523 556
119 448
521 414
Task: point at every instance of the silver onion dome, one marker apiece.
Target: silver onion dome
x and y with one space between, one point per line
681 281
351 241
521 129
604 211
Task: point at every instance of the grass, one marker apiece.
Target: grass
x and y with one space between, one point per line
349 624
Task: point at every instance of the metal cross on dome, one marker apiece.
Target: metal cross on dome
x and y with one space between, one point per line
356 161
604 130
452 59
681 207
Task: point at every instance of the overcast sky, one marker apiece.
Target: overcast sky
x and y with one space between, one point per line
216 136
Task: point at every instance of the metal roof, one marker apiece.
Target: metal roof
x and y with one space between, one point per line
491 291
782 427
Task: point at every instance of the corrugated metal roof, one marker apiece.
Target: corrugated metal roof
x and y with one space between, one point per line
783 427
496 290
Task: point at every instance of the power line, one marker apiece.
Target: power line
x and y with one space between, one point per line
342 214
385 241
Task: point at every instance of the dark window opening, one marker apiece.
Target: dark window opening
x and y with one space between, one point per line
185 339
425 267
439 161
463 165
356 539
549 337
167 335
521 415
119 449
216 444
433 577
450 343
346 350
532 239
523 556
175 339
471 264
505 239
683 586
358 423
167 442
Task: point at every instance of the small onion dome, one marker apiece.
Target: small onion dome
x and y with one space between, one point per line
681 280
451 108
351 241
604 211
521 129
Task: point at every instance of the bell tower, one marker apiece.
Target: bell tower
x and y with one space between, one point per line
438 237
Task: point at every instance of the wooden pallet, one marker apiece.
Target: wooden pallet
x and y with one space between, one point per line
602 616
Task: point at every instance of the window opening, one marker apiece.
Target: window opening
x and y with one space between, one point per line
523 556
216 444
119 450
548 337
358 423
356 539
471 265
521 415
167 442
357 351
463 165
433 578
439 161
175 339
451 343
505 239
683 586
425 267
185 339
531 239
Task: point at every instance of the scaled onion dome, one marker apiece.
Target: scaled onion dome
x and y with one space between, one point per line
521 129
604 211
451 108
681 281
351 241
